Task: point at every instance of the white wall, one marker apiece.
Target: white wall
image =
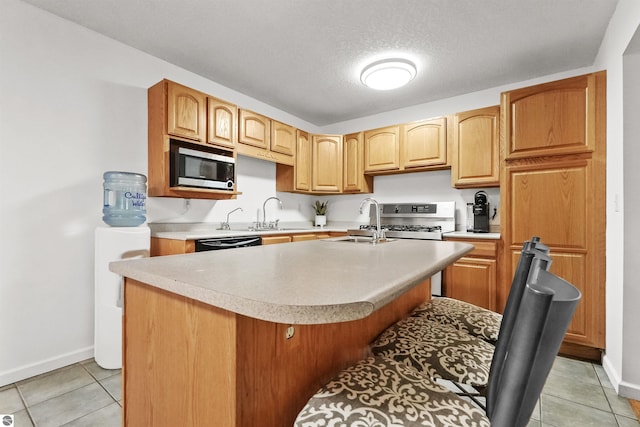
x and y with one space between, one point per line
73 105
623 300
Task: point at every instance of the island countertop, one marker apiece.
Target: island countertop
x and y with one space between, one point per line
312 282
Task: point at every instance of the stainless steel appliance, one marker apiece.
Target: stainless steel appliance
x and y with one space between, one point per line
218 243
201 169
426 221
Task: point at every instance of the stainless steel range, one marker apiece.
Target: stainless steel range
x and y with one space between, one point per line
426 221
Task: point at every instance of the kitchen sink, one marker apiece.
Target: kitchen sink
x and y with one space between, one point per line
360 239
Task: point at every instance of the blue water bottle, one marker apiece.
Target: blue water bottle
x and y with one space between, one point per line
125 194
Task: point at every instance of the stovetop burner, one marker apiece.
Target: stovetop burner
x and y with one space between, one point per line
408 228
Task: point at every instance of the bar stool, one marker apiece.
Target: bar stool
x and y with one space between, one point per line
385 392
442 350
470 318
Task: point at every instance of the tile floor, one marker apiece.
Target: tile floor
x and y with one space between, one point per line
83 394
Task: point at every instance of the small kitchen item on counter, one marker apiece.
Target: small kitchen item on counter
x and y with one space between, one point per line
125 194
480 211
320 208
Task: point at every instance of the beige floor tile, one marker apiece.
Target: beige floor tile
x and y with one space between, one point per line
70 406
97 371
56 383
113 384
559 412
10 401
627 422
110 416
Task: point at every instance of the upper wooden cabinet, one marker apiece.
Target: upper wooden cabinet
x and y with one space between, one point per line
254 129
409 147
382 149
283 138
186 112
424 143
327 163
263 138
303 163
476 148
353 178
551 119
222 123
178 114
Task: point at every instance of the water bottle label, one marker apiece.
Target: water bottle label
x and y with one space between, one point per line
137 199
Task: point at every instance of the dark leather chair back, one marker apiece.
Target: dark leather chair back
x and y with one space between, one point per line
542 318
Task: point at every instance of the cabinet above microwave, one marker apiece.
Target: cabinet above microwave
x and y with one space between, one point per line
187 133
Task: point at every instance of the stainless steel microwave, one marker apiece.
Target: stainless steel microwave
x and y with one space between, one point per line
201 169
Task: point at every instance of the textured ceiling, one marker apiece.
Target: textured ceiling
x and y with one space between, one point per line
304 56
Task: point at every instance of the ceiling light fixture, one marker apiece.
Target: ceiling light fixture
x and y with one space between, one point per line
388 74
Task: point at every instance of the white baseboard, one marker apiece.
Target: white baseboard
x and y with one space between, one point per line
623 388
27 371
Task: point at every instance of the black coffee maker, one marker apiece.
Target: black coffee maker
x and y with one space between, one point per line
478 213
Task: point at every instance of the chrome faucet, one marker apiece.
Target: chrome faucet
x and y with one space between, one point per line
378 235
264 212
225 225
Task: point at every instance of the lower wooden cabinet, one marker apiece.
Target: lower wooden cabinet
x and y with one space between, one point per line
274 240
474 277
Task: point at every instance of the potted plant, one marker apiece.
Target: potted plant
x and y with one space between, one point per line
320 209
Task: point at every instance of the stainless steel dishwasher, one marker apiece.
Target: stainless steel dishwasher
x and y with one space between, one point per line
219 243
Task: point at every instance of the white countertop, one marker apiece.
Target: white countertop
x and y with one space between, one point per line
312 282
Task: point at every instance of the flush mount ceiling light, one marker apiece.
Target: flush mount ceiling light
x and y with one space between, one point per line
388 74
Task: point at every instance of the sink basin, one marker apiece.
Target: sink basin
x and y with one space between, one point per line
273 229
360 239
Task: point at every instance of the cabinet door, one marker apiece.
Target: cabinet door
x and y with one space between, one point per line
186 112
424 143
354 180
283 138
476 148
327 163
254 129
554 200
222 128
551 119
472 280
274 240
303 237
303 161
382 149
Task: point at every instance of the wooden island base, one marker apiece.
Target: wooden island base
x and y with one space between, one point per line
187 363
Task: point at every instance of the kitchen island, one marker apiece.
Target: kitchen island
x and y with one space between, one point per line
243 337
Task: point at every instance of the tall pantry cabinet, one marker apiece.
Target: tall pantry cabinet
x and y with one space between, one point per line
553 186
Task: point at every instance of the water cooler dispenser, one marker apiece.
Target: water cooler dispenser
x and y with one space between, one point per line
113 244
